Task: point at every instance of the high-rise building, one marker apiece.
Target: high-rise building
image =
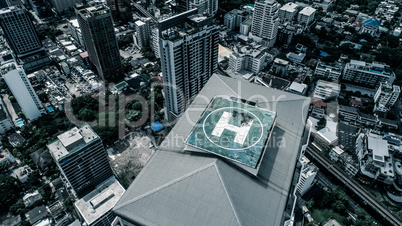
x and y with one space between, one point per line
203 6
76 31
251 58
236 179
96 207
189 56
22 90
100 40
307 176
306 16
121 10
81 158
367 74
332 72
288 12
22 38
142 32
265 21
155 42
386 96
61 5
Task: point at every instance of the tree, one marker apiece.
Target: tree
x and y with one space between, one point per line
133 115
10 188
4 166
18 207
321 123
11 99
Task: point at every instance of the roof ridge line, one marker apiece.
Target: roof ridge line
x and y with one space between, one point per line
165 185
227 193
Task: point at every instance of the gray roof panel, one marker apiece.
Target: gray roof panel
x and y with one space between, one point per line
182 188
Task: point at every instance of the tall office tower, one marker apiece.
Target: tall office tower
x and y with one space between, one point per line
189 56
121 10
81 158
203 6
265 21
22 38
22 90
142 32
100 40
62 5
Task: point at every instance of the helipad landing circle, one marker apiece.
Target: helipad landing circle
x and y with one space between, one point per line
230 109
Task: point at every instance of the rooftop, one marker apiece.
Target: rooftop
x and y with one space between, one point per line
227 120
379 148
307 11
69 141
100 201
297 87
201 188
289 7
94 10
4 69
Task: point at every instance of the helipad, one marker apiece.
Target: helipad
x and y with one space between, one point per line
234 130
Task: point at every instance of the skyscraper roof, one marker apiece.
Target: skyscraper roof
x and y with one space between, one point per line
177 187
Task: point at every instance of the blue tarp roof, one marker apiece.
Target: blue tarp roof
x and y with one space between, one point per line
324 54
156 126
372 22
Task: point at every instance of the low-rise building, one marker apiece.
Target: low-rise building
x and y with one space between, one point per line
6 157
22 173
326 138
87 80
325 90
386 10
297 88
297 58
386 96
371 26
280 67
30 198
42 158
368 74
328 71
36 214
376 162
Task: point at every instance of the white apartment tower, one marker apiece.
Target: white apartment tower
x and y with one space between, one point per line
265 21
368 74
203 6
189 57
288 12
307 176
306 16
22 90
142 32
386 96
